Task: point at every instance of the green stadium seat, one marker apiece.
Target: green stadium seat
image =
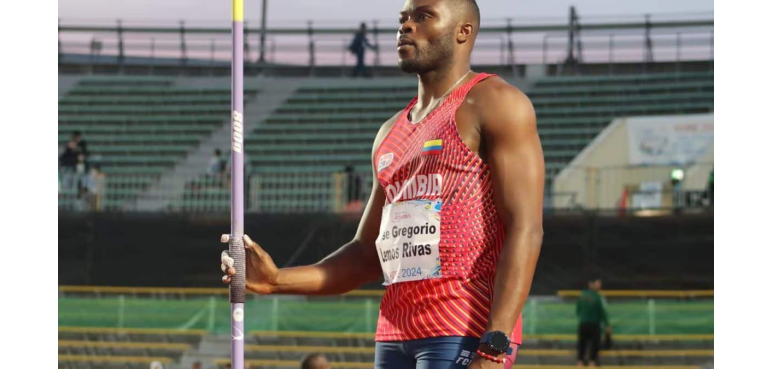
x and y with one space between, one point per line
334 117
133 119
153 91
288 168
320 127
135 159
119 129
134 100
133 138
133 81
132 170
145 110
403 97
623 79
363 88
131 149
318 148
351 106
310 159
548 101
622 89
261 137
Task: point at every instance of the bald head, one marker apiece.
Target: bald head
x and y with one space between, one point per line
468 11
315 361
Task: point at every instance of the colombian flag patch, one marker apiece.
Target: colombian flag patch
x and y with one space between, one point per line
432 147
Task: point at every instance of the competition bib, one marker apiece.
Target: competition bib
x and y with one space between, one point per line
408 244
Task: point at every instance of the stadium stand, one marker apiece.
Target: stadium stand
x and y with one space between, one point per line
295 152
138 128
336 125
316 133
95 347
572 110
333 125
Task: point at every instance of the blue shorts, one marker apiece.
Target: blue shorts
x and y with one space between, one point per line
427 353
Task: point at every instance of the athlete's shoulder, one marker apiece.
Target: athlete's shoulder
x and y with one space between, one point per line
386 126
494 91
384 130
497 100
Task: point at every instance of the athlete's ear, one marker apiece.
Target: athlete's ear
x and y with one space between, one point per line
465 33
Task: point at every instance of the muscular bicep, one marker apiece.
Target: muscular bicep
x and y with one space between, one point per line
369 226
514 154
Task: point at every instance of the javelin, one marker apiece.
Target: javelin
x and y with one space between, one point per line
236 242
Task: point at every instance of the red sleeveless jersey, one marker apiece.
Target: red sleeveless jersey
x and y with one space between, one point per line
428 161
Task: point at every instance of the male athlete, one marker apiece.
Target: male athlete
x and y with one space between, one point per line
454 221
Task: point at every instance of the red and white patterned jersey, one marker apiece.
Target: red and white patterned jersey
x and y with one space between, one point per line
429 161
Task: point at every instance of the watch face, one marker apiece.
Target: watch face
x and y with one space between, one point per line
499 341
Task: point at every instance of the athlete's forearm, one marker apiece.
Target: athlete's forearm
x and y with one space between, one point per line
514 274
340 272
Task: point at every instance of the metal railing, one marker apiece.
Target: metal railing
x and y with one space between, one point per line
502 42
264 192
206 310
621 188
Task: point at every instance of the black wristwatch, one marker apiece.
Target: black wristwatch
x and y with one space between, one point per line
497 341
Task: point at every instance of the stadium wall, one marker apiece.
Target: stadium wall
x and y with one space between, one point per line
178 250
602 172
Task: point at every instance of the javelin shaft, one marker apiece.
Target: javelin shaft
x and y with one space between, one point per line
236 246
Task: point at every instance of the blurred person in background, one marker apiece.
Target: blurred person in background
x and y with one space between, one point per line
67 162
218 169
74 153
81 175
94 180
591 311
78 138
315 361
196 365
69 157
358 47
216 163
75 147
80 165
156 365
90 187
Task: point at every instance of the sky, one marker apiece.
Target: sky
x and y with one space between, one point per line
287 12
347 14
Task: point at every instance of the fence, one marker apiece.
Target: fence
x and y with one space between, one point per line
357 313
265 192
630 188
502 42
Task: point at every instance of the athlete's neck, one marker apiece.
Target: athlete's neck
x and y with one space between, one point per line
432 85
